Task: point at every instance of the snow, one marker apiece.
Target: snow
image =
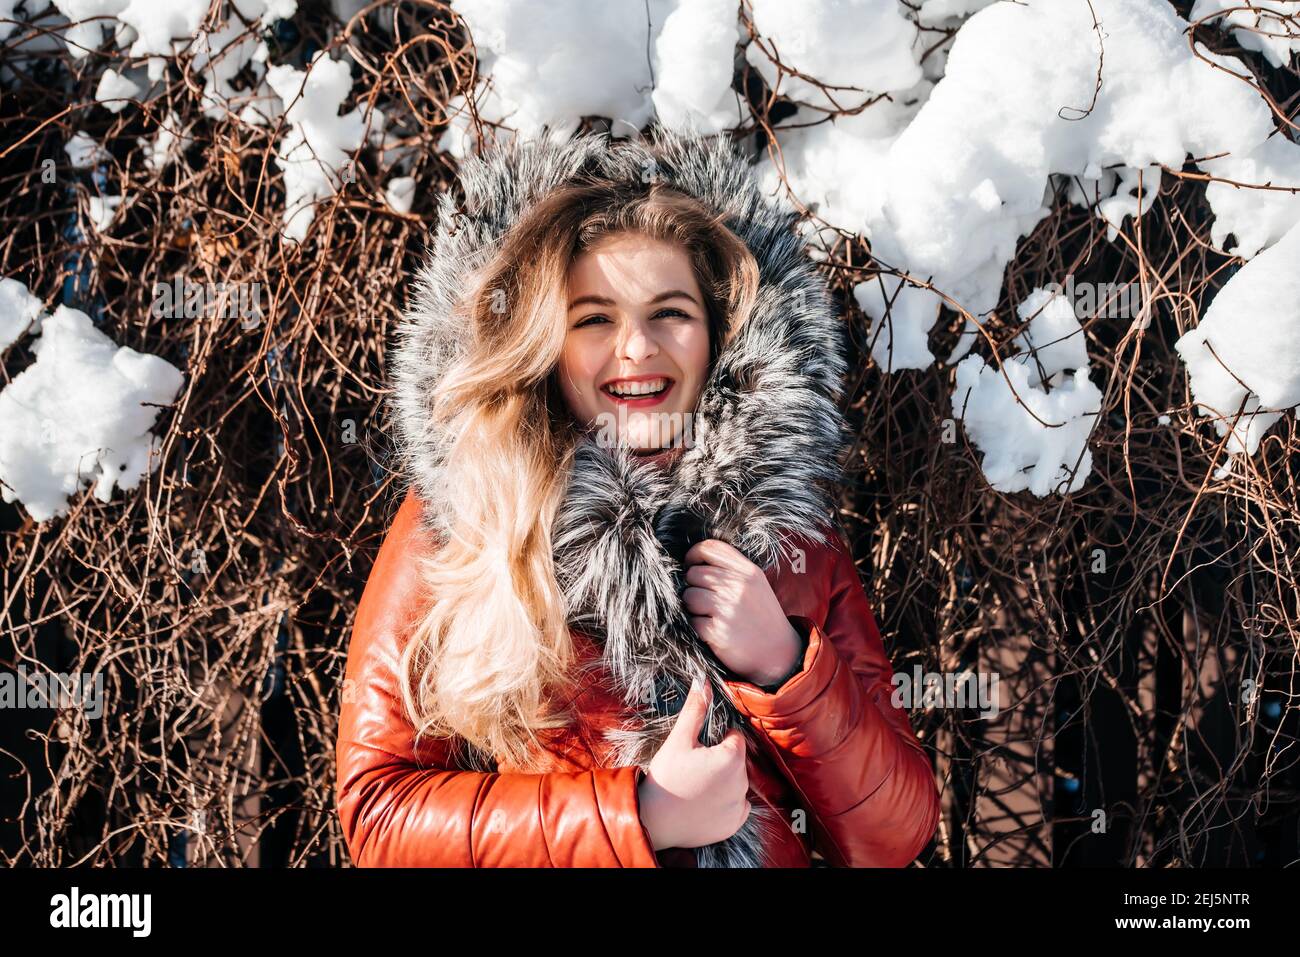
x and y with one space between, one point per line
222 53
946 195
840 167
933 11
1257 218
1053 338
158 30
316 147
84 38
1273 28
901 318
115 90
959 156
1253 328
219 56
83 152
1048 374
1135 194
631 60
166 144
162 26
862 45
400 193
1020 452
78 415
101 210
693 67
20 312
580 59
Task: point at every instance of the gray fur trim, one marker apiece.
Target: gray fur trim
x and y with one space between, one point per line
766 453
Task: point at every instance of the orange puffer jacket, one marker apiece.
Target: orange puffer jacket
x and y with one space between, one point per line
838 762
835 769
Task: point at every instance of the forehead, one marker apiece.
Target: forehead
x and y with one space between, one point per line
633 267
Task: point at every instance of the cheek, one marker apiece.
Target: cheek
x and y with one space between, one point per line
577 369
693 354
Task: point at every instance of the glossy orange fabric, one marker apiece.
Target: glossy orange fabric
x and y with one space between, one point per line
839 761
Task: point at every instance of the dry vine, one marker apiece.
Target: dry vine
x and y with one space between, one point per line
1145 629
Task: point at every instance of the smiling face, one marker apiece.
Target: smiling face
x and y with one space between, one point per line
636 352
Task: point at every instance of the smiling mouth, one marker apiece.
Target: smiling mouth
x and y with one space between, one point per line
643 392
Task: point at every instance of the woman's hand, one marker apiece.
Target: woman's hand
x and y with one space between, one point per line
693 795
736 613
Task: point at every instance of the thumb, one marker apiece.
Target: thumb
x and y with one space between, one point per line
690 720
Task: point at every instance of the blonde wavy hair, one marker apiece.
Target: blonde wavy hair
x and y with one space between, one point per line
488 661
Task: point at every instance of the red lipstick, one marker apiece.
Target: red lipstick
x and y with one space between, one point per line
638 401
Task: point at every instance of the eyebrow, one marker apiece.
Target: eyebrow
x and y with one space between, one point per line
604 301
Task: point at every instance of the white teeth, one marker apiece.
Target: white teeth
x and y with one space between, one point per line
647 387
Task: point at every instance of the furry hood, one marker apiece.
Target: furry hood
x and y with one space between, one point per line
768 438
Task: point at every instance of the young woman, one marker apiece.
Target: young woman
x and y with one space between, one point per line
613 623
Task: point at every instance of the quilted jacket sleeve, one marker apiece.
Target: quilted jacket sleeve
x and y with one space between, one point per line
400 808
864 777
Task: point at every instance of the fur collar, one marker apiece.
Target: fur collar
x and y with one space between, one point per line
768 436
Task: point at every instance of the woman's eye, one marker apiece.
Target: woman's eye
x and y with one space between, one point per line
599 317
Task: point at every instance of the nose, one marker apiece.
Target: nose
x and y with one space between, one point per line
636 341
